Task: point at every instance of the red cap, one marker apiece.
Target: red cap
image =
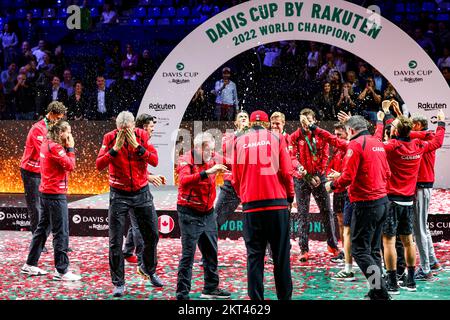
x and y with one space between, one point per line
259 115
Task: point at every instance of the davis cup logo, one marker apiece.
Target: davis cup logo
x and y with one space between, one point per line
165 224
76 219
2 215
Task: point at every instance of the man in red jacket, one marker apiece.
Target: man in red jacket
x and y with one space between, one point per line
126 152
404 158
428 261
197 171
30 169
366 173
262 177
309 159
228 200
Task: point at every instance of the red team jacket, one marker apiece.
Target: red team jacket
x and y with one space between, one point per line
302 155
337 163
404 158
366 170
426 171
31 159
128 166
56 164
196 190
262 171
227 152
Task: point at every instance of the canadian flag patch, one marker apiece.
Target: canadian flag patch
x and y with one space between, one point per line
165 224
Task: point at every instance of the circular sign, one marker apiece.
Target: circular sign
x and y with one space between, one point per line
165 224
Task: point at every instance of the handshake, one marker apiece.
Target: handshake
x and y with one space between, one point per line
128 135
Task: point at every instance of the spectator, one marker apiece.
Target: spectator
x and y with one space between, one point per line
198 104
324 103
335 80
77 105
68 82
103 107
32 72
30 31
341 61
379 80
313 61
347 100
271 56
325 72
390 93
60 61
444 61
113 61
47 69
25 108
26 56
9 78
444 34
353 80
424 42
39 53
291 57
370 100
364 74
129 64
55 92
226 97
9 44
146 66
109 16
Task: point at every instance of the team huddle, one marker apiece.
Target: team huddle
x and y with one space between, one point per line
381 185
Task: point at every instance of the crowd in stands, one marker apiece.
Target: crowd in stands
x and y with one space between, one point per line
289 75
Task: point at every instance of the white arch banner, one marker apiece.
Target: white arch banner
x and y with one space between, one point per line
353 28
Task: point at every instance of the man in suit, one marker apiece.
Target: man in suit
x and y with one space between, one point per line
55 93
103 107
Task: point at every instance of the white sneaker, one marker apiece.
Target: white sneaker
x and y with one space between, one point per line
32 270
68 276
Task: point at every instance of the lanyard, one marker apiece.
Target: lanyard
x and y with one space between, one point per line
312 148
46 121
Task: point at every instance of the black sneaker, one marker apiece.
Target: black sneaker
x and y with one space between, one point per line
215 294
392 288
154 279
410 285
401 279
340 258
